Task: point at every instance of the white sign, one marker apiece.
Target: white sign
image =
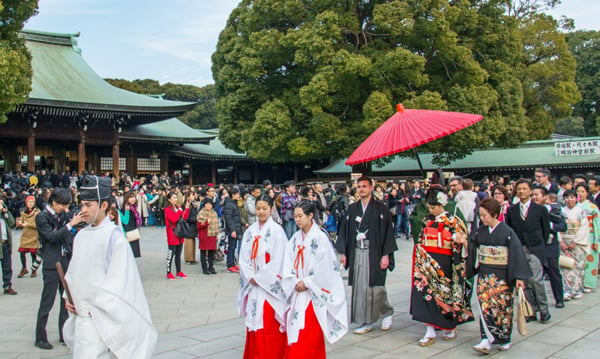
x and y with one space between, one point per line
577 148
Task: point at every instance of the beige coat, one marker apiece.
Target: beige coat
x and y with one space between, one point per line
29 238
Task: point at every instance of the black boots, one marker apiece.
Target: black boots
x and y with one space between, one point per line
207 259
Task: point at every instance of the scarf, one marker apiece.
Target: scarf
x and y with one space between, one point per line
136 214
213 226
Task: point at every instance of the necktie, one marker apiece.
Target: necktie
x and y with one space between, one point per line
523 211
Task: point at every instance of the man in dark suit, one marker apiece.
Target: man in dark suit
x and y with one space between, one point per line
542 178
531 222
558 223
55 232
594 184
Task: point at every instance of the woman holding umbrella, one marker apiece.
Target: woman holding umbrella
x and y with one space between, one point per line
438 290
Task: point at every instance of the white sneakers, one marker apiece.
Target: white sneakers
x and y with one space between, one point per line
386 323
365 328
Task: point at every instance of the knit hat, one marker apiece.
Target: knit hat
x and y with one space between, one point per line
29 198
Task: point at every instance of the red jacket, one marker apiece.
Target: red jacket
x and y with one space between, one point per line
171 217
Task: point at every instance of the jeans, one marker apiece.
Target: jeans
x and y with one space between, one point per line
231 245
290 228
402 224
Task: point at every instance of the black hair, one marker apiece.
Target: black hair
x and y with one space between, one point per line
255 187
364 178
565 180
233 191
541 188
307 207
305 190
342 188
491 205
584 185
432 195
523 180
265 198
570 192
61 196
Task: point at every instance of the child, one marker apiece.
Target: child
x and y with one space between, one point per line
208 230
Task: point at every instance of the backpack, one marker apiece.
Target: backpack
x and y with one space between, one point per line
337 208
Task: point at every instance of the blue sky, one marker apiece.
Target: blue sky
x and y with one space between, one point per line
172 41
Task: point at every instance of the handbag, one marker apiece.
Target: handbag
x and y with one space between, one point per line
393 211
133 235
524 310
566 262
182 228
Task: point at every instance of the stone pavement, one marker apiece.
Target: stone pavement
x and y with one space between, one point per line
196 318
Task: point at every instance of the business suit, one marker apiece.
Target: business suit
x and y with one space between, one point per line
533 231
558 223
56 240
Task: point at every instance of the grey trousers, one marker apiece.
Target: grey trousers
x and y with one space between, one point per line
536 283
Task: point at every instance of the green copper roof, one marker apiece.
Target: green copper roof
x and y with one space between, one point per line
62 78
529 154
214 150
166 131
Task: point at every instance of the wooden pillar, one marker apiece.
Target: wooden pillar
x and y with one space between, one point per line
81 153
131 162
164 161
59 154
213 172
235 173
296 172
115 156
255 173
190 175
11 158
31 150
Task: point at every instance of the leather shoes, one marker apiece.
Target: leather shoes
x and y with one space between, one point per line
10 291
544 317
42 344
560 305
530 319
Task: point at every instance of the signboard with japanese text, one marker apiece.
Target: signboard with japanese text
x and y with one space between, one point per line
577 148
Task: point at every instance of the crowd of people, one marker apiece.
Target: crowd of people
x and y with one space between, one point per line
484 238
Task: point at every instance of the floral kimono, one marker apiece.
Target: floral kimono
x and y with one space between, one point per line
591 260
438 278
496 255
578 233
262 256
320 310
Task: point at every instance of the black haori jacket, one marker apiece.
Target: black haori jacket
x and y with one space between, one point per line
378 221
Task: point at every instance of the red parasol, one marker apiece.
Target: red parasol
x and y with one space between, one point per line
407 129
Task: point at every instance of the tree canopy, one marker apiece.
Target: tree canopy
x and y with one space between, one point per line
298 80
203 115
15 60
585 46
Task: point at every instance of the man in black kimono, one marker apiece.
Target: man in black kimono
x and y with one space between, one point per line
366 241
531 223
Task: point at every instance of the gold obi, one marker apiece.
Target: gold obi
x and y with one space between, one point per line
573 227
492 255
437 241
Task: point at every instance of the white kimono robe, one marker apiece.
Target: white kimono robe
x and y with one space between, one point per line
113 317
269 238
312 259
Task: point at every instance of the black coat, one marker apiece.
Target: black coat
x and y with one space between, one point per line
378 221
53 235
534 231
559 224
231 214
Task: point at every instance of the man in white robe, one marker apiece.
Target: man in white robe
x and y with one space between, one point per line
109 316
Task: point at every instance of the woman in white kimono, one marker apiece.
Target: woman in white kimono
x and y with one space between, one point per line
574 243
313 282
261 298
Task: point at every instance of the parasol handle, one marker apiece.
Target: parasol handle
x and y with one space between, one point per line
61 275
419 161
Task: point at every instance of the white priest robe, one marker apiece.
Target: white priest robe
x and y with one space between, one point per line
113 317
262 255
312 259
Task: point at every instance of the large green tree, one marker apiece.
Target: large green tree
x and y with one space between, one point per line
585 46
203 115
297 80
15 60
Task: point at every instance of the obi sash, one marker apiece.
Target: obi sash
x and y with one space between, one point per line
437 240
492 255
